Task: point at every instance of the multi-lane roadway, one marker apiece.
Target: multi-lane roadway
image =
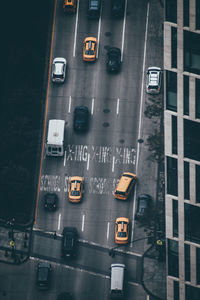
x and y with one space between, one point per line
101 155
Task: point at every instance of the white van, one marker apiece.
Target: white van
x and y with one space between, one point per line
55 138
117 281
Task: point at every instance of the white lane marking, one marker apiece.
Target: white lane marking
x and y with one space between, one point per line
83 223
92 108
88 161
140 117
59 219
65 157
113 163
123 31
99 30
75 33
148 297
70 101
71 268
117 106
108 227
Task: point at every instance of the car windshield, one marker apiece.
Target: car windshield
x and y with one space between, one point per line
120 193
153 87
89 52
75 193
121 234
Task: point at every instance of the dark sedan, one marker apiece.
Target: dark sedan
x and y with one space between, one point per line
117 8
144 201
50 201
81 118
113 59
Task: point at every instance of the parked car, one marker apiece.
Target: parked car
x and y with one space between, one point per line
59 69
75 189
89 49
43 275
122 230
50 201
81 118
144 201
69 241
153 80
117 8
113 59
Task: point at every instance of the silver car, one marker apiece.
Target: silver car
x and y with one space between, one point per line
59 69
153 80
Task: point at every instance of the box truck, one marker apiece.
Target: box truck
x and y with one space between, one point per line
55 138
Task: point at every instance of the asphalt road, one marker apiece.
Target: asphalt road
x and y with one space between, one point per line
101 155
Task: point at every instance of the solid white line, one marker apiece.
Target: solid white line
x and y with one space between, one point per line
123 31
117 106
92 108
99 30
140 116
70 100
113 164
108 227
75 33
83 222
59 219
65 158
88 161
148 297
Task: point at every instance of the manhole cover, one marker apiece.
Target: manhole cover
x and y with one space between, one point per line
121 141
105 124
106 110
108 33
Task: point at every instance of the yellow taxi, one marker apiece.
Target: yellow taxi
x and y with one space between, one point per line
69 6
125 185
75 189
122 230
89 49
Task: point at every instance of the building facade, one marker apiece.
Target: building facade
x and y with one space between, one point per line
182 147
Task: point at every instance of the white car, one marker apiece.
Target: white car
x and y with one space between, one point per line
59 69
153 80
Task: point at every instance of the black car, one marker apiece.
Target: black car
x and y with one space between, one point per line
144 201
69 241
50 201
81 118
117 8
94 8
43 275
113 59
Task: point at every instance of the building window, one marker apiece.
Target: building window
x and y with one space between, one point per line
174 135
172 178
198 265
173 265
197 184
176 290
171 90
174 47
171 11
186 180
192 223
197 97
187 262
192 293
186 13
191 52
197 14
175 217
191 139
186 94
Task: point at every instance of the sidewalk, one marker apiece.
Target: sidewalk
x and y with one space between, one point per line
14 245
